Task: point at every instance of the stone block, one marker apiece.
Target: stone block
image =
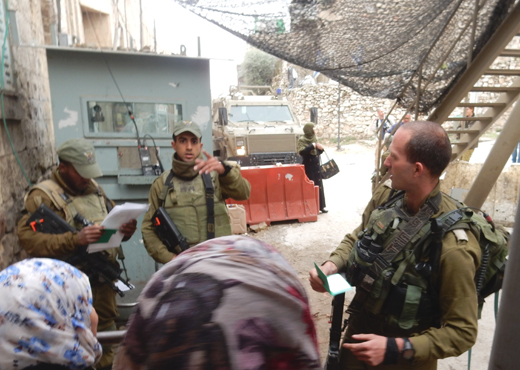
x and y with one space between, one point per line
258 227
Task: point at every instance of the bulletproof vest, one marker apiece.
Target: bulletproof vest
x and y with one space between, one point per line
186 205
401 291
92 207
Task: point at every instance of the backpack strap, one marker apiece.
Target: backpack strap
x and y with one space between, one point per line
103 196
168 185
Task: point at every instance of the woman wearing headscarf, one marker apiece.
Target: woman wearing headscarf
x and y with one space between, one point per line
47 321
229 303
310 150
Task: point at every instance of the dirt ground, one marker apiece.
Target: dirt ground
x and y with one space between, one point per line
302 244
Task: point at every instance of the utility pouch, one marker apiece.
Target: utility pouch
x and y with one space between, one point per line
355 273
380 291
409 304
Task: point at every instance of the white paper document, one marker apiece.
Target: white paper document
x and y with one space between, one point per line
123 287
119 215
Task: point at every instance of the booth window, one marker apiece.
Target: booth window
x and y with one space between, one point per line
151 118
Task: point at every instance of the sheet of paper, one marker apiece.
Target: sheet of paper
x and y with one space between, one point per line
118 216
335 283
123 287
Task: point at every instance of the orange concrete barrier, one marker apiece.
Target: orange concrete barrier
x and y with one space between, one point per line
279 193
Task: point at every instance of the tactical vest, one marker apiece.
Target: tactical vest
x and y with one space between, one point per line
401 291
93 207
185 203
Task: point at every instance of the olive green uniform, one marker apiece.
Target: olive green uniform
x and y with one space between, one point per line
91 204
459 259
185 203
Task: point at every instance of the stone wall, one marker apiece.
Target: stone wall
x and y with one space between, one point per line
356 112
501 203
32 135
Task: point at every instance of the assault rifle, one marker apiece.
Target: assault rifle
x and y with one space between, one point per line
336 328
167 231
95 265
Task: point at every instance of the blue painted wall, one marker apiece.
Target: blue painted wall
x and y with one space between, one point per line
79 75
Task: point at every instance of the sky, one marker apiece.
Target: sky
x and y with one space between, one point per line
177 26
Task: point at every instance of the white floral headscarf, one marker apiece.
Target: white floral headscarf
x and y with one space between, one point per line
45 308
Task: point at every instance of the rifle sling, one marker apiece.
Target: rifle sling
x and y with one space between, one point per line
210 202
385 258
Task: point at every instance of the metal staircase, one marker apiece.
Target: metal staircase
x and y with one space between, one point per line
500 97
496 99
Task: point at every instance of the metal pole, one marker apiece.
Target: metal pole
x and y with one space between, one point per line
198 44
504 351
496 160
126 25
314 115
111 337
470 53
141 24
418 95
473 29
339 122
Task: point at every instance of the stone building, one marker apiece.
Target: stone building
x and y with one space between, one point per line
27 147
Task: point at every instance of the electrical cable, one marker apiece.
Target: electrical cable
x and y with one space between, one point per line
156 151
115 82
2 94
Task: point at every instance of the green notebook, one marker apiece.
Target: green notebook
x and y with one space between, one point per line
107 234
335 283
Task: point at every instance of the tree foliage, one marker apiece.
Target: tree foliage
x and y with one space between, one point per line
258 68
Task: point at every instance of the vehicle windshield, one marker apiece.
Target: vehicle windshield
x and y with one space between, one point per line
260 113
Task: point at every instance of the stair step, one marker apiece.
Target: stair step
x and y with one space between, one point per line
498 89
482 105
463 131
503 72
469 118
514 53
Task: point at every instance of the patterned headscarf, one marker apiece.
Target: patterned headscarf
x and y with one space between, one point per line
45 308
228 303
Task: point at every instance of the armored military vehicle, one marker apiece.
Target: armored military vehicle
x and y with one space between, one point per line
255 130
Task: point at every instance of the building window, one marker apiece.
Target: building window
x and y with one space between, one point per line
113 118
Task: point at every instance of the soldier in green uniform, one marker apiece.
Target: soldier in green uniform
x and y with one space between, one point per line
71 191
423 304
184 195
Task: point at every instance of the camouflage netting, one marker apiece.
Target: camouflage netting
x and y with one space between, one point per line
373 46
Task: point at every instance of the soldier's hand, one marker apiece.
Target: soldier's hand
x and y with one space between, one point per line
371 351
210 164
128 229
90 234
328 268
319 146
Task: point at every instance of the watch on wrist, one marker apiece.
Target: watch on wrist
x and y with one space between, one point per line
227 168
408 351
